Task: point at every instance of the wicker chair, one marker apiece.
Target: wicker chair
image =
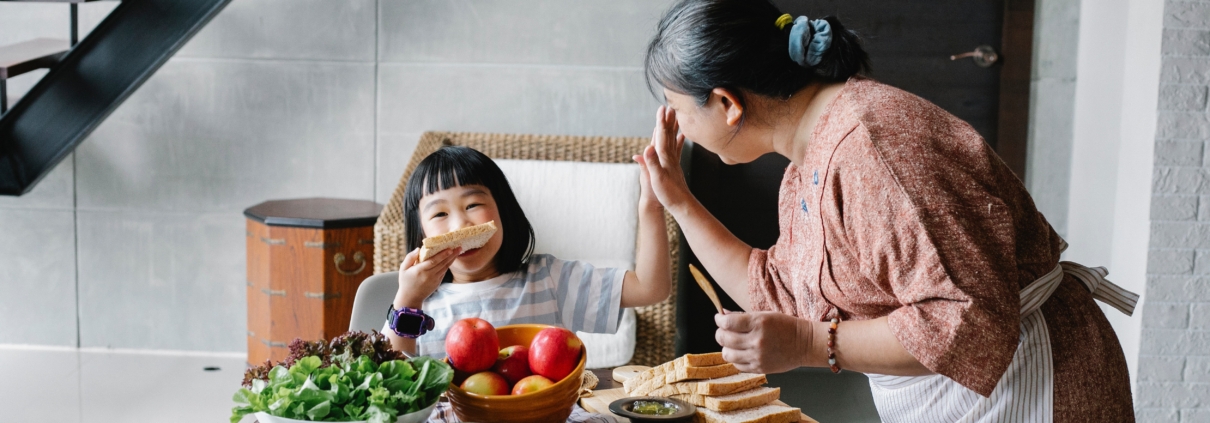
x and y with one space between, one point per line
656 332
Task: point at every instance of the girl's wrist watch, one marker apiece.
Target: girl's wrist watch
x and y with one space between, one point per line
409 322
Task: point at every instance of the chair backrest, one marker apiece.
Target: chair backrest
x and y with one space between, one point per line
656 326
373 297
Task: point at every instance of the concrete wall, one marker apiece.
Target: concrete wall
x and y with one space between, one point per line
1113 126
137 241
1174 379
1052 107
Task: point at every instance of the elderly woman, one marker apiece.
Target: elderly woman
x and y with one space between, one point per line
908 250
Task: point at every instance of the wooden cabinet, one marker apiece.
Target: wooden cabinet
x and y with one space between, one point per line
306 259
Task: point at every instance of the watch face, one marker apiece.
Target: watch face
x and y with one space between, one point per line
408 323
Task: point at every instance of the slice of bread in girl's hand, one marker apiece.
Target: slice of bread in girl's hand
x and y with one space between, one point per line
468 238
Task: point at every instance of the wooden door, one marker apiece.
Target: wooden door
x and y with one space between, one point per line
910 44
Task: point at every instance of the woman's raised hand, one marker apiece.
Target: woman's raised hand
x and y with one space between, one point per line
662 161
419 280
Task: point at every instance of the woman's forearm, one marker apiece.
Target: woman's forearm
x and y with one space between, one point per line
866 346
723 254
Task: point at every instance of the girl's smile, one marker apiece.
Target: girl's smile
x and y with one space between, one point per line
459 207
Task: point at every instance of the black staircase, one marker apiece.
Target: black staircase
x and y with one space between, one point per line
88 82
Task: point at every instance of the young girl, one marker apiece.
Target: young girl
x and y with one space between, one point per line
503 282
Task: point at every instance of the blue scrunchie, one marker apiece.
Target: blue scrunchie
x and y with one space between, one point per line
819 42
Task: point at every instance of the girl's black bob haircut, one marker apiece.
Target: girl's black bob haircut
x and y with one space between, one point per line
453 166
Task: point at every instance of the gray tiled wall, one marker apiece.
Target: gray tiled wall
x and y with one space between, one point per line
1174 356
284 99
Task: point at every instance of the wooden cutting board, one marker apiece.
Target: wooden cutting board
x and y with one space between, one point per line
599 403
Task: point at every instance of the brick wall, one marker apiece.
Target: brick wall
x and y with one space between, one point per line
1174 358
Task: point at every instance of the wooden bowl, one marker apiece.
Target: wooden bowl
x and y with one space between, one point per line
552 404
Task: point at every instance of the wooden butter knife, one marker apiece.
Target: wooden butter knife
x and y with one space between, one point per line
706 286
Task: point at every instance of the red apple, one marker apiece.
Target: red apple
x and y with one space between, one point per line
472 345
554 353
513 363
533 383
486 383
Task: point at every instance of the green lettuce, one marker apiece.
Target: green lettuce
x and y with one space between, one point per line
349 385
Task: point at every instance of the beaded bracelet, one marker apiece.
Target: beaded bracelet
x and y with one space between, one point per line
832 345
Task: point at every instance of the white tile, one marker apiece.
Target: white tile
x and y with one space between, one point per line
394 153
25 21
540 100
289 29
54 191
138 387
207 135
162 280
582 32
37 283
40 385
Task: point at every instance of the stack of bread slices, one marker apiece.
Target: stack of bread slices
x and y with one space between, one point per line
721 393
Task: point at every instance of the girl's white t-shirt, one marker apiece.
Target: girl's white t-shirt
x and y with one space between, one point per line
571 294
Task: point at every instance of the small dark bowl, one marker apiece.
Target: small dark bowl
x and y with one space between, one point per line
684 411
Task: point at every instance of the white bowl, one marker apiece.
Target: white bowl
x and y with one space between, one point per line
417 417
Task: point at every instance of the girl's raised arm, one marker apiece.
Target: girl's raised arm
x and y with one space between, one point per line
651 281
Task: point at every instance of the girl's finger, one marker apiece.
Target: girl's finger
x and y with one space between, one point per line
680 142
435 261
409 260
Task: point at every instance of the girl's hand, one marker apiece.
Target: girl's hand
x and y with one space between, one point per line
647 200
419 280
764 341
662 161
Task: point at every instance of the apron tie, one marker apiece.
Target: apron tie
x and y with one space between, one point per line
1093 278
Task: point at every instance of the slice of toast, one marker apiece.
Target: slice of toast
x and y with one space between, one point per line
762 414
662 371
680 375
737 401
468 238
694 373
721 386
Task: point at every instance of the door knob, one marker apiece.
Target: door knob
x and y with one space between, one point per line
983 55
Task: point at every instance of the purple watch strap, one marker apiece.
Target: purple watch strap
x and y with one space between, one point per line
426 321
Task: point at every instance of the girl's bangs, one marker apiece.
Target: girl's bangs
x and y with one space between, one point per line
447 172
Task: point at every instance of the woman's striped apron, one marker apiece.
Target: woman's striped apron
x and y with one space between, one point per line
1026 391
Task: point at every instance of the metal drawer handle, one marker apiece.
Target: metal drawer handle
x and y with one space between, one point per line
357 258
321 295
272 292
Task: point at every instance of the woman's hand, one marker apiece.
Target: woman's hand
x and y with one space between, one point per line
419 280
764 341
662 161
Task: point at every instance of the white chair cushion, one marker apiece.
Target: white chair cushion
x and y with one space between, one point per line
588 212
